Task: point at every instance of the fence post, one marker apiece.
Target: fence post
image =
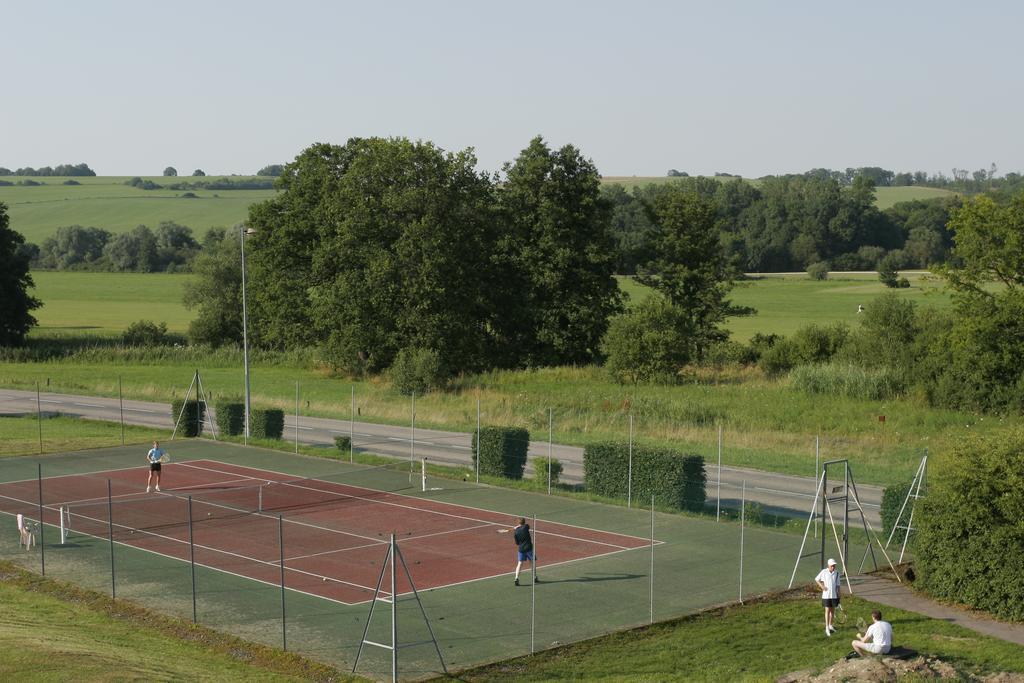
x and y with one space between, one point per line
352 426
192 560
652 558
533 589
550 428
816 459
478 440
42 526
120 403
39 422
110 534
629 474
284 623
743 511
296 418
718 503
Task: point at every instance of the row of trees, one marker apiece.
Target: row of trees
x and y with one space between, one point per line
170 247
789 223
380 247
214 184
59 170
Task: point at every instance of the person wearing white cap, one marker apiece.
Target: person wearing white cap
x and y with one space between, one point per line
827 581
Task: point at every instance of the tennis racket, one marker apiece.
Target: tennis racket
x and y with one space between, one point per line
165 458
840 615
861 624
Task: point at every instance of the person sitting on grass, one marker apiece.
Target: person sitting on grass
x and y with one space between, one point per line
878 638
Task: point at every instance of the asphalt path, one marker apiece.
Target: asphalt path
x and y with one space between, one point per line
780 493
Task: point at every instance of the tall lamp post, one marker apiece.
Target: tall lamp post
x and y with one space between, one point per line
242 232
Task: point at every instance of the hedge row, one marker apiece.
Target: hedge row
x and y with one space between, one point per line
674 479
192 420
502 451
267 424
230 418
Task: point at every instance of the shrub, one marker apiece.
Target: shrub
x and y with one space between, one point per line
887 271
230 414
903 283
674 479
540 470
809 344
725 353
647 344
502 451
970 532
818 271
892 500
848 380
145 333
192 419
344 444
417 371
267 423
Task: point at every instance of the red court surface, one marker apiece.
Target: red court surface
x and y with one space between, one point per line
334 535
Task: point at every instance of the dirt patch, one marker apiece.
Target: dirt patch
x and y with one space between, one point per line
883 669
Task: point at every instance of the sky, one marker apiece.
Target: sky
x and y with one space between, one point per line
752 88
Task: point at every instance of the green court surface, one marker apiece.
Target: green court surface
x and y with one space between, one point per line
694 563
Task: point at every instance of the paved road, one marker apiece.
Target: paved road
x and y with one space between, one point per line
786 494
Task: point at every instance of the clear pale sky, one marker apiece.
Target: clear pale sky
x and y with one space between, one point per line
641 87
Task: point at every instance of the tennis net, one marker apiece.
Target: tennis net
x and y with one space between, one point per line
167 512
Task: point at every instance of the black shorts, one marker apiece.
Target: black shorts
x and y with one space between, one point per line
154 467
830 602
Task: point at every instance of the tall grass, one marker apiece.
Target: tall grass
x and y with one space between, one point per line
832 379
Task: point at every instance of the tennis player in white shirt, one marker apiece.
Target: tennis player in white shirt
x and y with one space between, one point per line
877 640
827 581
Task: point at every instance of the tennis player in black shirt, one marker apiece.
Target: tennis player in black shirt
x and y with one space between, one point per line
524 543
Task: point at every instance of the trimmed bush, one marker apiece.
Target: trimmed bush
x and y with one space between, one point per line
230 417
192 420
970 535
540 470
502 451
674 479
267 423
344 444
892 501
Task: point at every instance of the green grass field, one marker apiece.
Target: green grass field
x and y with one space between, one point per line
755 642
106 202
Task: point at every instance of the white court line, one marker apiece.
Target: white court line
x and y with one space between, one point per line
435 512
141 494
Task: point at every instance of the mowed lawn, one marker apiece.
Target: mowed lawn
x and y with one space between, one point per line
106 202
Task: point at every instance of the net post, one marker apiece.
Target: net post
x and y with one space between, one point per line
743 519
192 560
259 498
110 536
42 526
652 559
394 615
63 529
423 473
284 623
120 403
629 473
533 590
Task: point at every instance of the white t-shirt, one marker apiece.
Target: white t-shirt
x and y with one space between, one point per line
880 635
830 580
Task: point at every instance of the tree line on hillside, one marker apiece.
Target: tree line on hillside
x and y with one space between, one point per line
168 248
59 170
214 184
790 223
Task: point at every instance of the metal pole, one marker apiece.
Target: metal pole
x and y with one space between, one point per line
412 430
192 560
296 418
478 440
199 407
120 402
42 527
39 422
394 616
280 543
718 504
652 559
352 426
817 454
743 516
245 337
110 535
533 590
550 428
629 475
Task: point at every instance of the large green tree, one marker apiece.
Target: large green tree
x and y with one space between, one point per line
556 258
215 292
690 268
16 305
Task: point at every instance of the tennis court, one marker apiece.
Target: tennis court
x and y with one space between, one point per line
599 570
337 533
